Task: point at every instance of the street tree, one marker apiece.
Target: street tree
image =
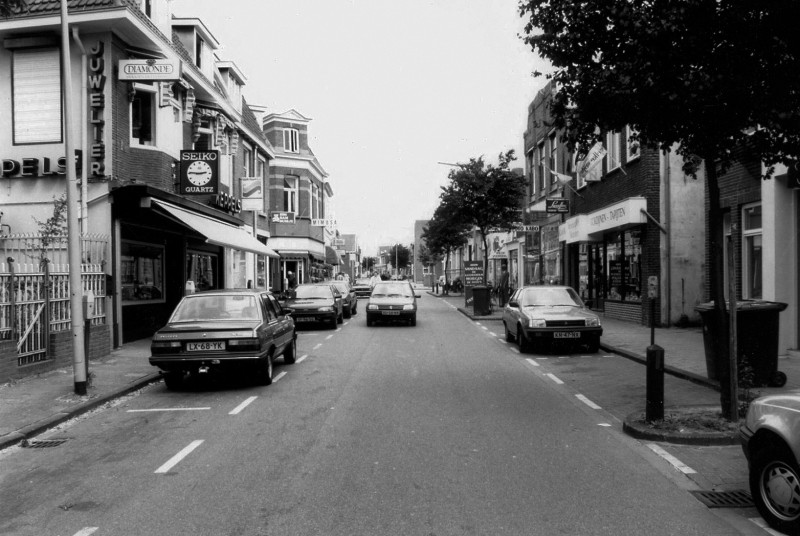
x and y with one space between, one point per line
447 230
399 255
427 257
368 263
487 197
708 77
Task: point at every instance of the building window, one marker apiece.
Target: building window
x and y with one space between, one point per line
147 7
612 148
529 163
247 158
202 270
632 148
314 201
751 252
291 140
142 269
36 91
199 46
540 168
552 160
290 194
143 115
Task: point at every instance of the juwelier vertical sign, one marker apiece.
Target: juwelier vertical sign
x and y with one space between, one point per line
199 172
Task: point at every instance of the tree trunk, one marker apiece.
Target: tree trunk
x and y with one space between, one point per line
717 284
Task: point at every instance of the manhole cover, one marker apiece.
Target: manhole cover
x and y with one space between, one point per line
43 443
724 499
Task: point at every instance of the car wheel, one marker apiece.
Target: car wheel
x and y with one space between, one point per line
290 353
334 322
522 341
594 345
355 307
340 318
264 372
413 321
173 380
775 487
509 336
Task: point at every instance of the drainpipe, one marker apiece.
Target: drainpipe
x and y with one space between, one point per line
84 136
668 248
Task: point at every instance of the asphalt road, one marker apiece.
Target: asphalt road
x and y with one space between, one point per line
440 429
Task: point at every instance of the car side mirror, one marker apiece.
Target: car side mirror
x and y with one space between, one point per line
417 295
287 311
513 303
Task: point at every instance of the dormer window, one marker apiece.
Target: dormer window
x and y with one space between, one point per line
147 7
198 51
291 140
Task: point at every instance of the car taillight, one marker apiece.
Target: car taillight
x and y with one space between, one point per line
244 344
166 344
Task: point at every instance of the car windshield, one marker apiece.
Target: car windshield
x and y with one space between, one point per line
313 292
216 307
549 296
344 288
362 282
392 290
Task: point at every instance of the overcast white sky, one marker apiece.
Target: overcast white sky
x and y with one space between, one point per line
392 88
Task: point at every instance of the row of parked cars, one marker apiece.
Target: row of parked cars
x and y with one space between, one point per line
248 330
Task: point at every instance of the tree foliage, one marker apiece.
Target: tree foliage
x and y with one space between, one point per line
10 7
447 230
709 75
486 196
398 256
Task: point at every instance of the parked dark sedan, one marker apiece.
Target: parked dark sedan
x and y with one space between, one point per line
349 298
317 302
239 330
543 314
392 301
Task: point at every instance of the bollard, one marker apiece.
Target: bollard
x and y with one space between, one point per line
654 408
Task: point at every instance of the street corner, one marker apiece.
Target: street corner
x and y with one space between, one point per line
684 425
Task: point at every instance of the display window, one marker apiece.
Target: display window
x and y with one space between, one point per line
623 266
202 270
142 272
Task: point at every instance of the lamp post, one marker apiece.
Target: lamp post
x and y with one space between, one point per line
396 267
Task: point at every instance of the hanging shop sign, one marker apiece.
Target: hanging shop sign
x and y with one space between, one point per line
323 222
473 273
199 172
282 217
557 206
35 167
252 193
97 103
149 70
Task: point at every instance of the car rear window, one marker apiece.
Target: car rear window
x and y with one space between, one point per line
312 291
216 307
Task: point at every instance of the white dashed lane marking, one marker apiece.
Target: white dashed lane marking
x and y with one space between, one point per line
279 376
532 362
301 358
588 402
238 409
555 378
679 465
86 531
179 456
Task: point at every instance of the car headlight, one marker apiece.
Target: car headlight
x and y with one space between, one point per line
325 309
593 322
372 307
408 307
537 323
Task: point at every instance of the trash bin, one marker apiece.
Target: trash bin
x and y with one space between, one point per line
480 300
757 325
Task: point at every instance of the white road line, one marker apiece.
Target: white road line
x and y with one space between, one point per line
86 531
165 409
587 402
301 358
279 376
503 341
317 346
555 378
179 456
603 424
479 324
513 349
328 337
493 334
679 465
763 524
484 327
238 409
532 362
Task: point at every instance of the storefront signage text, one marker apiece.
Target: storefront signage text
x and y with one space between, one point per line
612 215
97 103
34 167
557 206
149 70
282 217
227 203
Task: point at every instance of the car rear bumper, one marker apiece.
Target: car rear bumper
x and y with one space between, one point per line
221 361
311 317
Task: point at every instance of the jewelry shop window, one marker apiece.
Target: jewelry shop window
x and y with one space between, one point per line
202 270
142 273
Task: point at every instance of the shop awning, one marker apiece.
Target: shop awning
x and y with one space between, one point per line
331 257
216 232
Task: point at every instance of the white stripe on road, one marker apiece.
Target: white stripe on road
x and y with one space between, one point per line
301 358
317 346
514 349
165 409
532 362
587 402
679 465
86 531
555 378
328 337
179 456
603 424
493 334
279 376
238 409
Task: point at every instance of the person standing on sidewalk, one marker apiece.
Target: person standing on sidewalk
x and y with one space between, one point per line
502 287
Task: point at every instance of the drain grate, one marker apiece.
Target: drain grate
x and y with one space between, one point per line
43 443
724 499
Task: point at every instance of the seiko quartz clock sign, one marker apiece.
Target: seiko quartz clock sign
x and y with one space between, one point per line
199 172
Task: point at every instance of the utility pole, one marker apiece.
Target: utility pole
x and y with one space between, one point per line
73 223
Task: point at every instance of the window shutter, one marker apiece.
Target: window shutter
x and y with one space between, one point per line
37 96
